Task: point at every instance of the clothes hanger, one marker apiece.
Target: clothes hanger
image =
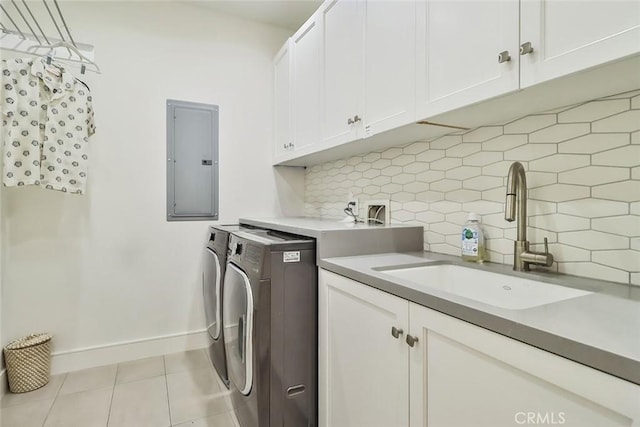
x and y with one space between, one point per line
72 50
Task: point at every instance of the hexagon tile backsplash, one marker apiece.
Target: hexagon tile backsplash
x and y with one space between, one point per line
583 175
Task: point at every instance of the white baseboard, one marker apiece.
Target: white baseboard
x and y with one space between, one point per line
90 357
4 386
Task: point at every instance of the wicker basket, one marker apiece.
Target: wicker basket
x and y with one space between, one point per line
28 362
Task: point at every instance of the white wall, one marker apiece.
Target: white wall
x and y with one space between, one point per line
107 268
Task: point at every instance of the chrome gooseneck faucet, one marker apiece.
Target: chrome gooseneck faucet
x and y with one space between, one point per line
517 197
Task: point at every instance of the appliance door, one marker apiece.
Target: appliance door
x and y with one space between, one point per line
211 283
237 318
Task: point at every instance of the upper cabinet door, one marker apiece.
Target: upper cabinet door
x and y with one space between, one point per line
306 82
569 36
342 69
466 51
389 65
282 73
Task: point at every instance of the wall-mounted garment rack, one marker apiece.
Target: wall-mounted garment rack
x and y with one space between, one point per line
26 27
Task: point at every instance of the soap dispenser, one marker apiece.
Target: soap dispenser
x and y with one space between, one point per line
473 249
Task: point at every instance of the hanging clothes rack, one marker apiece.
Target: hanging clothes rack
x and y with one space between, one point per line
22 30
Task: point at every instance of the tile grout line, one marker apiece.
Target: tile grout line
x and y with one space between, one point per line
55 399
166 385
113 390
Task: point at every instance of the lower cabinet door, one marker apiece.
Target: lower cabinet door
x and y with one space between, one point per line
480 378
363 368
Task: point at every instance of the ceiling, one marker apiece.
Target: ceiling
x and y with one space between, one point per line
290 14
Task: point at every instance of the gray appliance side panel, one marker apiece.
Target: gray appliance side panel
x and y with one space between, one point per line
263 330
294 307
336 243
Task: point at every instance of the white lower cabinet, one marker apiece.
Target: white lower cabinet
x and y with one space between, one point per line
363 370
455 374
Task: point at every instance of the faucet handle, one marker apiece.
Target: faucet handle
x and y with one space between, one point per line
539 258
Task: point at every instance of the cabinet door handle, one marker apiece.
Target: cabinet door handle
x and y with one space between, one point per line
350 121
396 332
411 340
356 118
504 57
526 48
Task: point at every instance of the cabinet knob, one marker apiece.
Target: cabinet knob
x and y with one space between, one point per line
396 332
526 48
504 57
356 118
350 121
411 340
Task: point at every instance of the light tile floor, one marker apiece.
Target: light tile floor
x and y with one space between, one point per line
176 390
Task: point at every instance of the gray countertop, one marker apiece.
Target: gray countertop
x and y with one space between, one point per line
313 227
600 330
337 238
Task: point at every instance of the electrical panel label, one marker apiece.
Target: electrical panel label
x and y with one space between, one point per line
293 256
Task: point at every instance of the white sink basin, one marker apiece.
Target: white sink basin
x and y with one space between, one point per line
494 289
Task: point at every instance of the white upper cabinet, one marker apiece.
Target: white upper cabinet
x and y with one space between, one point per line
305 81
282 78
369 67
342 69
466 51
569 36
472 50
389 65
359 68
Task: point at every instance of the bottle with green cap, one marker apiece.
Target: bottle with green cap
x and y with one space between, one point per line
473 248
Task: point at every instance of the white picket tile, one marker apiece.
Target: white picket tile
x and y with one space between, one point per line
594 110
625 191
504 142
531 152
593 208
482 134
559 163
594 143
530 124
559 193
624 156
560 132
628 260
593 175
628 121
463 150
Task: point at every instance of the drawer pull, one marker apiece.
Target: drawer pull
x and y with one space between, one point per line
396 332
504 57
411 340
